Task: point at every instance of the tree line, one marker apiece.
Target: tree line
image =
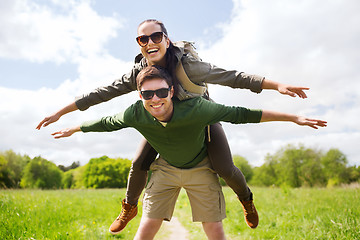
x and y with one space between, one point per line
20 171
291 166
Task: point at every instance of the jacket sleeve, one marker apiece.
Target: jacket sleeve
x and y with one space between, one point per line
203 72
126 84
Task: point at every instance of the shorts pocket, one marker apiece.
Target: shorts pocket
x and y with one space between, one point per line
216 189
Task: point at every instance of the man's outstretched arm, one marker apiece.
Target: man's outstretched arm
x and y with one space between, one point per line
269 116
67 132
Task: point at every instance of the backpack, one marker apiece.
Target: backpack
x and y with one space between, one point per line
181 75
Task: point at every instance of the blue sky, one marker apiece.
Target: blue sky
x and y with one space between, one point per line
52 51
51 74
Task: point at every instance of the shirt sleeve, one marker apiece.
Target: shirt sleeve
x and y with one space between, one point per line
202 72
126 84
236 115
105 124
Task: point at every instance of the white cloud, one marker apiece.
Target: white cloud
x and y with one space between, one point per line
38 33
69 31
305 43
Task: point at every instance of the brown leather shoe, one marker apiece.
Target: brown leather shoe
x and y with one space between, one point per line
251 215
128 212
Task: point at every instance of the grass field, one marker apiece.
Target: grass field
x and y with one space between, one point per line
86 214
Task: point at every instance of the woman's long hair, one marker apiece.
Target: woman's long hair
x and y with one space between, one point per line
171 60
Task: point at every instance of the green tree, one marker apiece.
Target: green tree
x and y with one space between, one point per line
41 173
312 173
335 169
241 163
291 166
11 168
266 174
105 172
354 174
6 175
67 180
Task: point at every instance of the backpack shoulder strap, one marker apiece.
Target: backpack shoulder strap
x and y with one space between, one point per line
187 84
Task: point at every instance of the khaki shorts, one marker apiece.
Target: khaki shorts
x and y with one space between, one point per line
202 187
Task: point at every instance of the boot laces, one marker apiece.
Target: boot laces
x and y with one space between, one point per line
249 207
125 213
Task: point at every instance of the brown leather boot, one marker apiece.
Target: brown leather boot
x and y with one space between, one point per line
128 212
250 213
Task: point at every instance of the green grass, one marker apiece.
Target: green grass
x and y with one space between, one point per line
288 214
62 214
87 214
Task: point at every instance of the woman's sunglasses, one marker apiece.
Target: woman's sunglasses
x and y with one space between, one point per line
156 37
161 93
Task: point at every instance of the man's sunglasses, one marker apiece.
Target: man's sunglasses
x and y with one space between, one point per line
161 93
156 37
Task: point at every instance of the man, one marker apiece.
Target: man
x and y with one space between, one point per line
175 129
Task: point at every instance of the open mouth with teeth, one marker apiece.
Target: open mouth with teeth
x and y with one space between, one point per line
157 106
152 51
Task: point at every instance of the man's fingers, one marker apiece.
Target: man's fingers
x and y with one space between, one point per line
315 122
58 132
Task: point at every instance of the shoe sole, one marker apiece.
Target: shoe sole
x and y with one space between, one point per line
114 233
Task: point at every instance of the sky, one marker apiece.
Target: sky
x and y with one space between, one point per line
52 51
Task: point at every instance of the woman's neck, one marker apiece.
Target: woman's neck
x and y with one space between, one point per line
161 63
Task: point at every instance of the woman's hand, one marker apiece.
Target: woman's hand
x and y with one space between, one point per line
292 91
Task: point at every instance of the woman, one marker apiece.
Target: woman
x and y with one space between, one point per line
157 49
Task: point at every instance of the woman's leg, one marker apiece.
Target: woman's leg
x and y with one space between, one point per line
136 182
145 155
221 160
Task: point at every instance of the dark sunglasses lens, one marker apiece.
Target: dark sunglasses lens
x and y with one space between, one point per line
147 94
156 37
162 93
142 40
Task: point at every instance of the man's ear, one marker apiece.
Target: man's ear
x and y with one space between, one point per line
172 91
140 95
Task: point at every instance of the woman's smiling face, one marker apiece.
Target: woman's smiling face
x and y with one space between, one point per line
153 52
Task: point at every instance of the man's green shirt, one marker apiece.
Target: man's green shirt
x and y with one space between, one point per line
182 141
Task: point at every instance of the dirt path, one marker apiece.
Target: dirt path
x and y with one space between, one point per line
174 230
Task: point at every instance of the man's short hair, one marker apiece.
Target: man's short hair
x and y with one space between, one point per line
152 72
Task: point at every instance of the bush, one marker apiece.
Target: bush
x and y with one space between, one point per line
105 172
41 173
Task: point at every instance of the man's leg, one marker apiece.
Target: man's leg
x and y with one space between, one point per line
148 228
206 198
214 230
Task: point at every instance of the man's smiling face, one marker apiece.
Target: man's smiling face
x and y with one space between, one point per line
160 108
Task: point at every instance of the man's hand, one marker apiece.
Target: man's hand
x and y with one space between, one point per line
292 91
67 132
314 123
